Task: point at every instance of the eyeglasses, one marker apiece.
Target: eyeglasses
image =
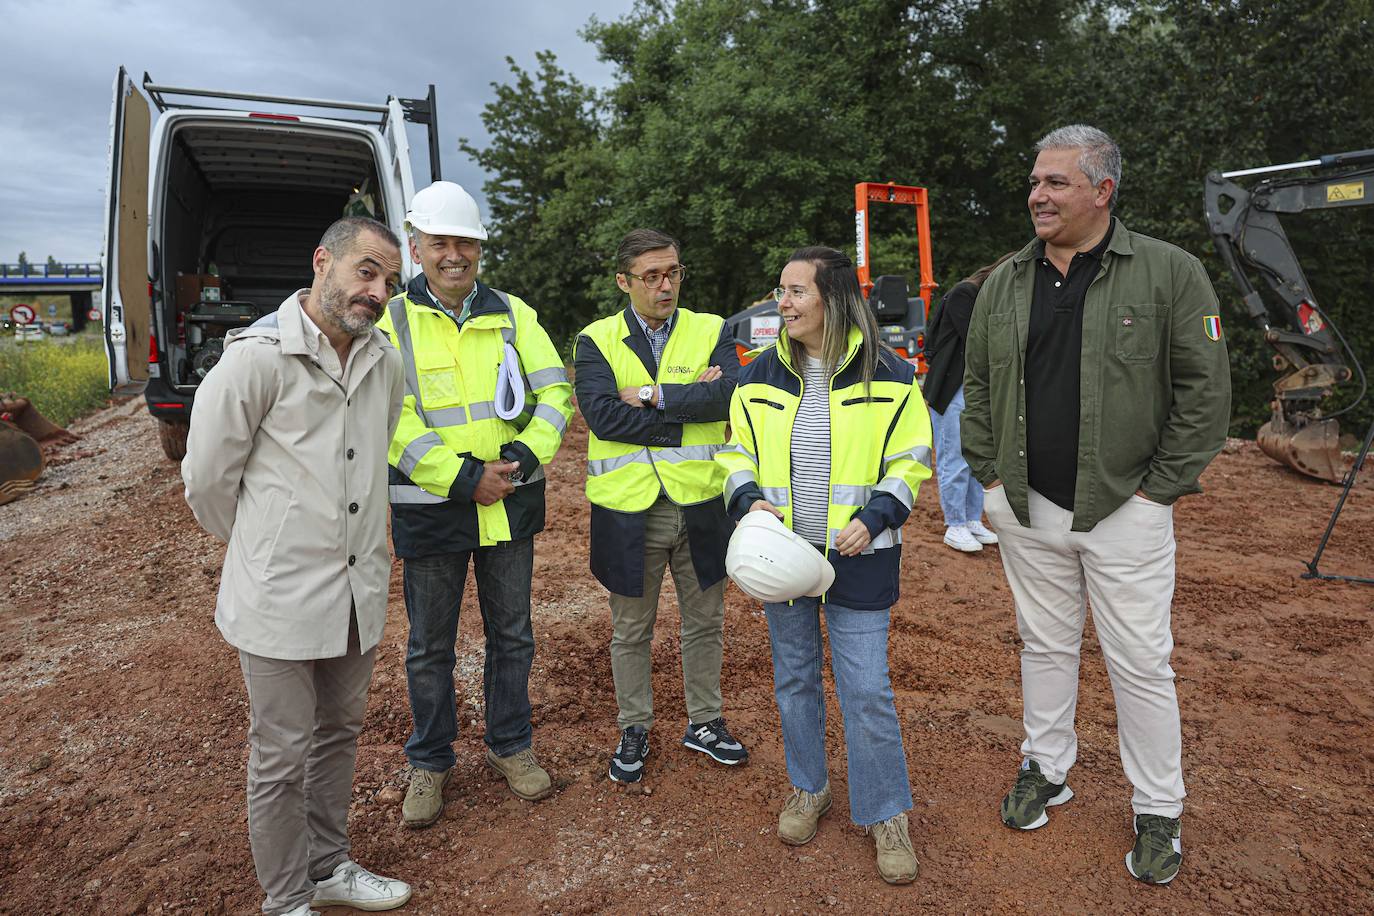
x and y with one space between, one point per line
654 278
796 292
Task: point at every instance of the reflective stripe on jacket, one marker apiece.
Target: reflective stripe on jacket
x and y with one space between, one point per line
880 451
635 453
449 425
628 476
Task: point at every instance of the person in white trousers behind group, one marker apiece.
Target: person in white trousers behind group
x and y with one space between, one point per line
1097 390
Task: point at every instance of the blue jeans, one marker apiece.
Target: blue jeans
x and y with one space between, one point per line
961 497
879 787
434 594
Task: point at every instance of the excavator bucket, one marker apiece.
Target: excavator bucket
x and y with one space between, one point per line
24 416
21 463
1313 449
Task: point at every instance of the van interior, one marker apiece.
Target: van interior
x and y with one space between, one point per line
245 206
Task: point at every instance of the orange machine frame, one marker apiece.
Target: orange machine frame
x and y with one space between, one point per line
871 192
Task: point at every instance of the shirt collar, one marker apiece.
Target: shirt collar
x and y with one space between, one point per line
665 328
1095 252
467 302
313 334
316 339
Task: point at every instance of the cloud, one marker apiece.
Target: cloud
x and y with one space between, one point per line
54 123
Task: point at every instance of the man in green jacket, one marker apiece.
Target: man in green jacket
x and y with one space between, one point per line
1097 391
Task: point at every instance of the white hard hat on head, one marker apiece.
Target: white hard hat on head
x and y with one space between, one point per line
444 208
773 563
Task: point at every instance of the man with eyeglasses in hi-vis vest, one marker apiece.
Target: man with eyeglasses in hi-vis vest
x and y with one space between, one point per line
654 384
487 400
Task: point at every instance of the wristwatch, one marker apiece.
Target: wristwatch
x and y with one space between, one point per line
646 395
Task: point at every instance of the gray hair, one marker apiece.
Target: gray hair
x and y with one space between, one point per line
341 235
1099 156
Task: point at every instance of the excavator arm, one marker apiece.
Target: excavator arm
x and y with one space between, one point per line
1310 353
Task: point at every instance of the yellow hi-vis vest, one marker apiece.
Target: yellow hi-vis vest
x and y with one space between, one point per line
449 410
628 477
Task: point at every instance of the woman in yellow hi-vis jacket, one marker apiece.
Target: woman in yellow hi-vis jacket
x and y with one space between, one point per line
829 433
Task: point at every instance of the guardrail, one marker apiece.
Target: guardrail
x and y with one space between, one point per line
49 270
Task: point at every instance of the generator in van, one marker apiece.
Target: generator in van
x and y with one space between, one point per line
213 210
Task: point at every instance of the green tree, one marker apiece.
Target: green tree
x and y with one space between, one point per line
741 126
547 194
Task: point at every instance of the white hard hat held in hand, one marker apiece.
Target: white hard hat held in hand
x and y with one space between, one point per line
444 208
772 563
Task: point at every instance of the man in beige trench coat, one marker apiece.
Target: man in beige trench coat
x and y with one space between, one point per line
286 462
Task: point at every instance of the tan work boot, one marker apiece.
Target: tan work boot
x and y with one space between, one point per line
425 797
801 814
896 858
523 773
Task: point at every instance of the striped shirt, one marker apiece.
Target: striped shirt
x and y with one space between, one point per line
811 454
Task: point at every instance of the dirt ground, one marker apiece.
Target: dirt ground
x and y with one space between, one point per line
122 726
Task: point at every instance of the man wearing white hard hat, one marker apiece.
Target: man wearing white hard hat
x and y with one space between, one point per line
487 400
830 440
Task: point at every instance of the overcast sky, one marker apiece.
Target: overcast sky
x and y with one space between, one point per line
57 75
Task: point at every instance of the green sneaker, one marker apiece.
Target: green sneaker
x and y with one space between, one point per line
1024 806
1158 850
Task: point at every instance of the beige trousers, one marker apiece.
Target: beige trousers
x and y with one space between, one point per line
632 625
304 720
1124 568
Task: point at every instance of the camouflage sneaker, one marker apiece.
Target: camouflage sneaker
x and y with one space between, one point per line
1158 851
801 814
523 774
424 798
1024 806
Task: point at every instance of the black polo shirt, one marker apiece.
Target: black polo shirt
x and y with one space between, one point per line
1054 344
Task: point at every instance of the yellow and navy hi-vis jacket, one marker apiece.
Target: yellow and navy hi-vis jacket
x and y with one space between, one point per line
449 428
879 453
635 454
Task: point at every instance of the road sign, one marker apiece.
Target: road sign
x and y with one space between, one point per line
23 314
93 315
52 311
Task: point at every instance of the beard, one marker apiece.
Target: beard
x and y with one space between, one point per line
338 309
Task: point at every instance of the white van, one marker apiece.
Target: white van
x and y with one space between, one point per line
214 210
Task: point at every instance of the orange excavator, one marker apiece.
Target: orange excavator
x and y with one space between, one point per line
24 434
901 316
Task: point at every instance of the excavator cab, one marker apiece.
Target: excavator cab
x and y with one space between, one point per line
901 316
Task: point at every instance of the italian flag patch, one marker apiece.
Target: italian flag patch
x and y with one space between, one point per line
1211 324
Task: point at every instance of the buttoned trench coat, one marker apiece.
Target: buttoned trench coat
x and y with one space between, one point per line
289 467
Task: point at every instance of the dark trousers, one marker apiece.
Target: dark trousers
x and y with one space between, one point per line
434 595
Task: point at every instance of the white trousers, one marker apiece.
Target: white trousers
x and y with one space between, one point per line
1124 568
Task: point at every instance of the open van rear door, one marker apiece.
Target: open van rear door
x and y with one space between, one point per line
398 146
127 303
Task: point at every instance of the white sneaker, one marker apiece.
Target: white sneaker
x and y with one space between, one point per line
302 910
981 532
355 886
960 538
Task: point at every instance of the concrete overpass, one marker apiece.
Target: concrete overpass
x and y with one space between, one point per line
76 281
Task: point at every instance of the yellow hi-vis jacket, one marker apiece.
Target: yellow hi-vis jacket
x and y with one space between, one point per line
880 451
449 426
635 455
